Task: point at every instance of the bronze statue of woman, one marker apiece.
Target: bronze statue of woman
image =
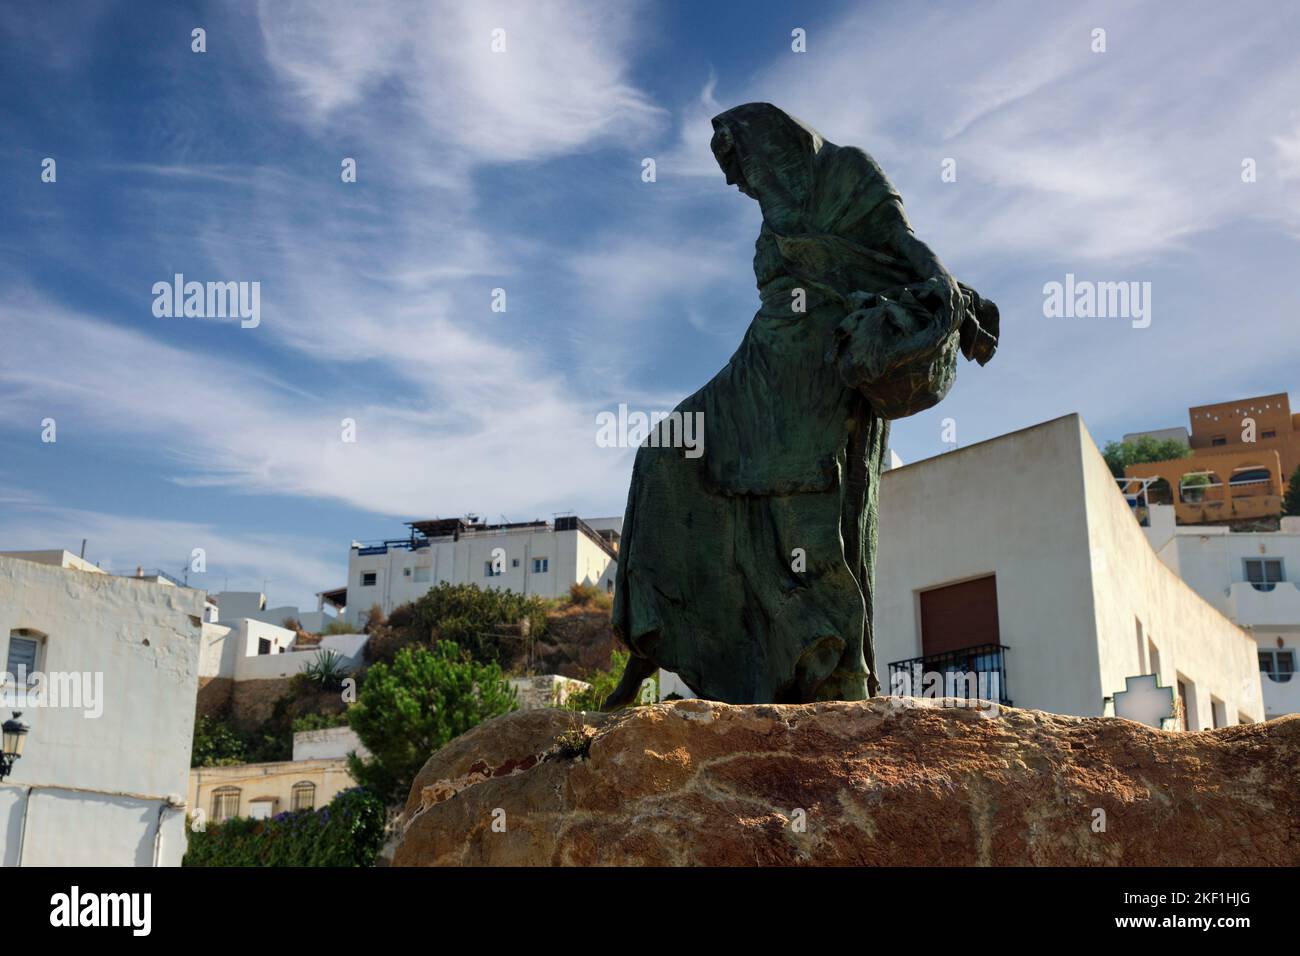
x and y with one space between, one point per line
748 571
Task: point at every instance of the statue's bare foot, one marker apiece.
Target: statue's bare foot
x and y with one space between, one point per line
637 670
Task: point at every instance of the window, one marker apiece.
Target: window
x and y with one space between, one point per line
24 653
406 572
263 646
1263 573
1278 666
304 796
1187 698
1218 440
491 570
514 562
225 804
1271 433
957 616
1218 713
261 808
368 578
541 565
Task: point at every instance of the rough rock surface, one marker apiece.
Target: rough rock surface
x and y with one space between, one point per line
890 781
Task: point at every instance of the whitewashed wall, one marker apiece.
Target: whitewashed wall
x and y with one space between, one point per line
1012 507
91 791
1039 509
571 558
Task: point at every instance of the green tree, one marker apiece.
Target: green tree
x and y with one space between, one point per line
216 744
1291 502
408 709
1120 454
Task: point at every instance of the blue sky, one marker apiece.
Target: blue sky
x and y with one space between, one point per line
522 170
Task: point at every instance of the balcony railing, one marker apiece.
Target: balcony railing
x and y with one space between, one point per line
970 673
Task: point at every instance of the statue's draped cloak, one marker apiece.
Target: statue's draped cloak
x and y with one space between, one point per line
749 571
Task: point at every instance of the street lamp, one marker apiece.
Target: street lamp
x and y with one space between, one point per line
12 735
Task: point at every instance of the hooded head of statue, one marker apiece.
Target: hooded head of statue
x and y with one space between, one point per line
769 156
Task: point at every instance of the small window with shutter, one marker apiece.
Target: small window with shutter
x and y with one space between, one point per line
24 654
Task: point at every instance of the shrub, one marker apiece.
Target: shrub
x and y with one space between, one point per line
588 595
326 671
347 832
573 744
337 627
408 709
319 722
464 614
216 744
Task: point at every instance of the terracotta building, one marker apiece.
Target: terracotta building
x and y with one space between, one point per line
1243 454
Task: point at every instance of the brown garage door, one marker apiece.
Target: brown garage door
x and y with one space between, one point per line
959 615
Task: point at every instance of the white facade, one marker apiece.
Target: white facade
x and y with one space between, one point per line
331 743
105 790
1220 564
234 606
530 560
1083 602
253 650
227 647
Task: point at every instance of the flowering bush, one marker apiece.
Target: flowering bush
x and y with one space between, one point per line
347 832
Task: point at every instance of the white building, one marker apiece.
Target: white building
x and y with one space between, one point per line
237 605
240 642
1251 578
253 650
1021 555
540 558
102 778
1018 559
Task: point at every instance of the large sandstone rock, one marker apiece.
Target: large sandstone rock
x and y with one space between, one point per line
891 781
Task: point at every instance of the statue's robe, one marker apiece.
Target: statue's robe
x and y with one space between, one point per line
748 571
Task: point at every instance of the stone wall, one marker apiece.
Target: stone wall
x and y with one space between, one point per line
214 696
253 702
545 690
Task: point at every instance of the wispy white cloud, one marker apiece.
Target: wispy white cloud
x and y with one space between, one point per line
526 452
1114 156
554 82
295 567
